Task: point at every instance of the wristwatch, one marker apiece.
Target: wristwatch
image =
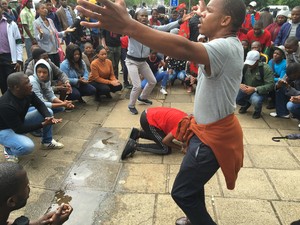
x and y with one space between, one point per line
255 89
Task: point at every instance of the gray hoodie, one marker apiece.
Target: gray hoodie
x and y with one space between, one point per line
42 89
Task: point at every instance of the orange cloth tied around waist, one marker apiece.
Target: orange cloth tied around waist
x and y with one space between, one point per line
224 137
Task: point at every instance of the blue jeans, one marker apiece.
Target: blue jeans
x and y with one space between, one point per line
254 99
178 75
281 101
294 109
159 76
18 144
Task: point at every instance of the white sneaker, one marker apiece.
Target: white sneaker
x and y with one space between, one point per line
299 125
10 158
274 114
52 145
163 91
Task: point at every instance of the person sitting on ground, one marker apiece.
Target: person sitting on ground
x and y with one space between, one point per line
191 75
15 189
41 86
292 50
102 75
176 69
15 120
257 81
288 93
256 45
261 35
290 28
156 65
159 125
88 55
76 70
59 80
278 66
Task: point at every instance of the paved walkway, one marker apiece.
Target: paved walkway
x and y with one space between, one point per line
89 174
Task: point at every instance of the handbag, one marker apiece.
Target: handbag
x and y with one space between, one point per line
61 53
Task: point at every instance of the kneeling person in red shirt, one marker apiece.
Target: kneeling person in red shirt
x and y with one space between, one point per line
158 124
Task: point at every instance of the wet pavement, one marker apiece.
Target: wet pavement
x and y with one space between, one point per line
88 172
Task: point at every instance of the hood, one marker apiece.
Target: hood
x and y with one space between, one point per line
42 61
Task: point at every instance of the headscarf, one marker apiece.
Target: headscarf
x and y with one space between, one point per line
24 2
181 6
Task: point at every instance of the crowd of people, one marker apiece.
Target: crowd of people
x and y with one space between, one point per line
237 56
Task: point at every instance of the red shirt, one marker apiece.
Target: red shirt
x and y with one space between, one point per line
165 119
264 39
124 41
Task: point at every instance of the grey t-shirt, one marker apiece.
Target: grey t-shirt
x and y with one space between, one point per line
216 93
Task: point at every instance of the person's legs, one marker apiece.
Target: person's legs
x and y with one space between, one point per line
101 89
114 89
242 99
34 117
6 68
198 166
281 101
152 133
257 100
147 73
165 79
133 71
75 95
294 109
28 44
15 144
87 89
181 75
125 70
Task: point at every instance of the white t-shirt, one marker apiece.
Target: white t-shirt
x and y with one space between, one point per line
216 94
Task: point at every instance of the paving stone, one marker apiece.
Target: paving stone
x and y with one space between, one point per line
247 121
96 117
291 142
120 117
143 178
296 152
262 137
126 209
252 184
288 211
96 174
77 130
85 202
244 212
74 115
46 173
185 107
277 157
279 123
178 98
286 183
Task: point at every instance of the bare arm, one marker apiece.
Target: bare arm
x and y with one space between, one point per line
169 44
168 140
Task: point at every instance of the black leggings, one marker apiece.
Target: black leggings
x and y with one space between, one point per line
152 133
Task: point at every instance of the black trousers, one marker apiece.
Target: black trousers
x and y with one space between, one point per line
6 68
105 89
152 133
198 166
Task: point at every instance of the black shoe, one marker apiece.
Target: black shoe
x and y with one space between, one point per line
129 149
134 133
37 133
128 86
271 105
256 115
172 82
108 96
243 109
144 101
81 101
133 110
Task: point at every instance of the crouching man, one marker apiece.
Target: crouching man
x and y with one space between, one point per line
15 120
